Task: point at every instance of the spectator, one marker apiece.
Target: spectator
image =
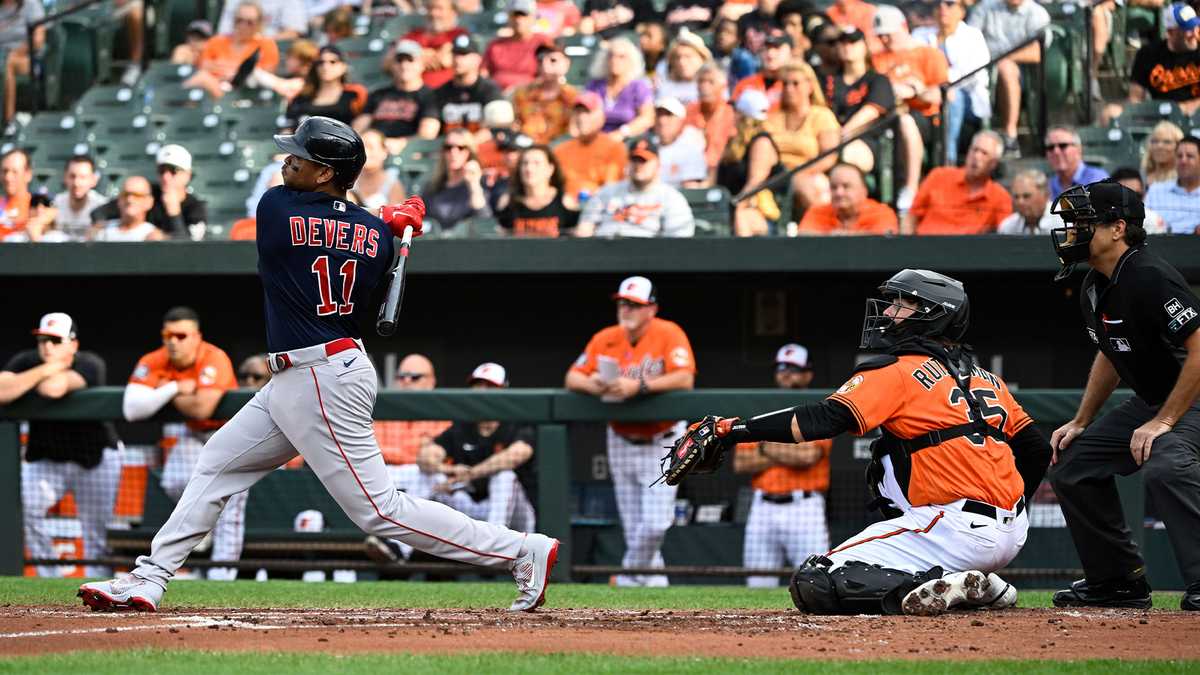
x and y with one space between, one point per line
969 103
611 17
512 61
537 205
459 103
1164 70
254 372
712 114
326 92
916 72
858 96
693 15
652 40
855 14
436 40
1158 154
404 108
376 184
188 52
751 156
954 200
680 146
1031 206
482 468
753 28
790 16
73 208
676 75
41 226
191 375
224 54
296 65
336 24
1178 201
60 457
642 354
543 107
777 53
627 96
15 17
132 14
456 190
175 211
786 523
1064 154
641 206
725 41
556 18
850 210
1006 24
824 56
590 159
16 172
1153 223
133 204
802 128
279 19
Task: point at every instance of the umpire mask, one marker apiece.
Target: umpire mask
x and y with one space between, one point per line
1083 208
942 310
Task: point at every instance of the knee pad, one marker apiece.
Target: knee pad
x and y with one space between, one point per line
853 588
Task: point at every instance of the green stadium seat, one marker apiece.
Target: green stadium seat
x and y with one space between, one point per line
110 99
418 158
160 73
171 96
56 124
397 26
1109 147
588 42
52 152
578 74
1138 119
483 25
253 122
363 45
712 210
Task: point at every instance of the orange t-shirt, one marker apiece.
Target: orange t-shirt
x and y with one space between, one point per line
780 479
927 63
212 369
663 349
945 205
399 440
592 165
221 56
757 81
873 218
916 395
245 229
859 14
14 213
718 129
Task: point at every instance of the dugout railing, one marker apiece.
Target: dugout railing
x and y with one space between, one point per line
551 411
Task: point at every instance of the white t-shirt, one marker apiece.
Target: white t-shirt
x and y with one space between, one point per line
1015 223
683 160
965 50
114 232
617 210
76 224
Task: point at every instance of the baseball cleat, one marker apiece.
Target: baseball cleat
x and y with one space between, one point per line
1003 595
1126 593
128 592
531 570
938 596
382 550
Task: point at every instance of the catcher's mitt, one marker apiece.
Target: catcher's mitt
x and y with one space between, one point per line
701 449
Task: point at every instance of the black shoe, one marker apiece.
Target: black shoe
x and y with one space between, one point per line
382 551
1191 598
1129 593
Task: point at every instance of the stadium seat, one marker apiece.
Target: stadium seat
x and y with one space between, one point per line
1138 119
396 26
53 124
1109 147
362 45
253 122
110 99
161 73
711 209
170 96
418 157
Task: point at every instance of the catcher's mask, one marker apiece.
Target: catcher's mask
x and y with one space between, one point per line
942 310
1083 208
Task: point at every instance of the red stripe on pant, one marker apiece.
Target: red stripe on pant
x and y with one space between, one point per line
890 534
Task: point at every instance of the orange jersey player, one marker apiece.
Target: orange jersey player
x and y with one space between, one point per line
955 464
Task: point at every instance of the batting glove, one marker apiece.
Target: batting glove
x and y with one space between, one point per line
410 213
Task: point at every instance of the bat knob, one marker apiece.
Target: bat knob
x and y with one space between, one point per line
385 328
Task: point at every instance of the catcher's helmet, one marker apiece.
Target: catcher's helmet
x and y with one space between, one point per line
327 141
1082 208
942 309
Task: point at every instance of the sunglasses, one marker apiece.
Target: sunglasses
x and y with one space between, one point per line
131 195
630 304
172 335
411 377
1058 146
244 21
1022 195
52 339
448 148
168 168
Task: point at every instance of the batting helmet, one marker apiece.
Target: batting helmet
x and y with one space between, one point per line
327 141
942 309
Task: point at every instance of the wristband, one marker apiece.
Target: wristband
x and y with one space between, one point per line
642 388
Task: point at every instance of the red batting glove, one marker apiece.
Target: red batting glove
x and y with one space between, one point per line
410 213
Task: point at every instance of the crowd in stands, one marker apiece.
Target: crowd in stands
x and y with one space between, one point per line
616 118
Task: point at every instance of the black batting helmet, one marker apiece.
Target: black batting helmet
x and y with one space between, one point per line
942 311
327 141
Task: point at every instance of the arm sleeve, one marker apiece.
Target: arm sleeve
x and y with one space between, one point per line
1031 451
196 211
1139 73
141 401
822 420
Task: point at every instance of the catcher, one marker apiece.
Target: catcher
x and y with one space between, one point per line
952 470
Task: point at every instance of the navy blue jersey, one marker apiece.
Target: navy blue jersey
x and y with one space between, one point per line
319 258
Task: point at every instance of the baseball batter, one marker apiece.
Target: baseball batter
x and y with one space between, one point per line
956 461
320 257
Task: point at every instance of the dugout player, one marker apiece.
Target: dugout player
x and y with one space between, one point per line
953 468
648 355
320 258
787 515
1140 313
192 375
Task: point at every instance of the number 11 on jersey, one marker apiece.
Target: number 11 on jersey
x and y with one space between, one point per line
320 267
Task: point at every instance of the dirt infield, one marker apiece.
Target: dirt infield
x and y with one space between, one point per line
1020 633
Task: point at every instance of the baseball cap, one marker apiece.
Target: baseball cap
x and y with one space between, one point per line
492 373
644 148
792 355
408 48
777 37
670 104
56 324
465 44
1111 200
174 155
888 20
588 99
521 7
636 289
1180 16
753 103
498 113
851 34
200 27
507 139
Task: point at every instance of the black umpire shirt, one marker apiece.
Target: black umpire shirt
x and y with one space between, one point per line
1140 319
464 445
80 442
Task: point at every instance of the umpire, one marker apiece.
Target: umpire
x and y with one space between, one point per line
1141 314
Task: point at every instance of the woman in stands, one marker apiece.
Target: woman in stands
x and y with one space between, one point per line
750 146
627 95
224 54
1158 158
677 74
296 65
15 15
376 185
535 205
456 190
326 92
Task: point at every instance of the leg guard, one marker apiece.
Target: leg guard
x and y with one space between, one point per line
853 588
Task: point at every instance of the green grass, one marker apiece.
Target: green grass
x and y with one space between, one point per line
297 594
272 663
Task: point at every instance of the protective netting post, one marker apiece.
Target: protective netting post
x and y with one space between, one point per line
554 470
12 543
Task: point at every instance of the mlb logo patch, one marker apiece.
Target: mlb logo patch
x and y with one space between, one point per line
1092 335
1120 344
339 206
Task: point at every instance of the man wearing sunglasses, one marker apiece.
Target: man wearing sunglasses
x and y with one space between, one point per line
60 457
175 211
191 375
1064 154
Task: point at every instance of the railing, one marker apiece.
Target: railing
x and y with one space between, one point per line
35 66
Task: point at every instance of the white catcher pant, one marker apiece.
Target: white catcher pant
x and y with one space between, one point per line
230 530
646 512
783 534
44 482
322 409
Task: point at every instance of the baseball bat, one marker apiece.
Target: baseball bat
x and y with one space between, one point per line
389 311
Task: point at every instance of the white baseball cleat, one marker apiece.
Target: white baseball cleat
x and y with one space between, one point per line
531 570
936 597
1003 595
127 592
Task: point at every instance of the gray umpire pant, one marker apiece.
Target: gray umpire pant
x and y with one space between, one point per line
1084 480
